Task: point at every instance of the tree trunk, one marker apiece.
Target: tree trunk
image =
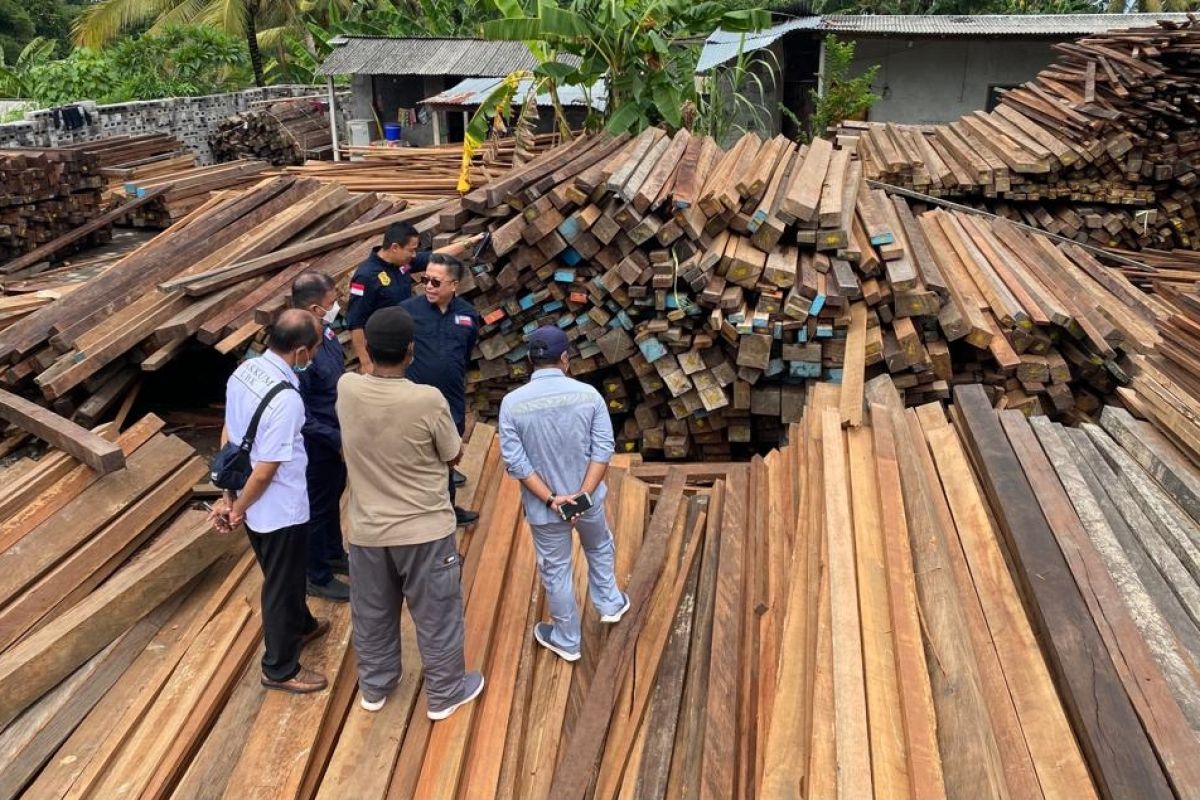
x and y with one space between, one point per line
256 61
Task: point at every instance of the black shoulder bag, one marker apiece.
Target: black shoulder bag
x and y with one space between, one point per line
231 466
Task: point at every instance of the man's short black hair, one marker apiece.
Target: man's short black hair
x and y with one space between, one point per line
389 334
310 288
545 363
295 328
399 233
454 267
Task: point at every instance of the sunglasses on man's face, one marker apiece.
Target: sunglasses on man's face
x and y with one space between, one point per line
436 283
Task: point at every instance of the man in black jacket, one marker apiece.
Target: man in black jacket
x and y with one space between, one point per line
316 293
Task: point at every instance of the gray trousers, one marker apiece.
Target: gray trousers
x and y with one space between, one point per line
427 576
552 542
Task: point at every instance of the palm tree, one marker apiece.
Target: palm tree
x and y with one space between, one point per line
105 20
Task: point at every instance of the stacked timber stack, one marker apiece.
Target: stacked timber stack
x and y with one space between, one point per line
703 302
420 174
836 619
93 342
287 132
44 193
183 188
1109 126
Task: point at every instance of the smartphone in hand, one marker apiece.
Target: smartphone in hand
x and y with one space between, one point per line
579 504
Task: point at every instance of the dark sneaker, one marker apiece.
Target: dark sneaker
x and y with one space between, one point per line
472 688
464 517
459 478
303 682
316 633
615 617
542 632
340 566
335 590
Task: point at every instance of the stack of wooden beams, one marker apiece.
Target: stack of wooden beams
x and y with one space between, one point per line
45 192
183 188
703 305
1111 124
287 132
419 174
837 619
85 350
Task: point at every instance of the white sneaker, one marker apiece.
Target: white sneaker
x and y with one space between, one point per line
541 632
612 619
372 705
474 681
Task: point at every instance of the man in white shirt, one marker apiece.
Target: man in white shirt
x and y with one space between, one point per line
273 505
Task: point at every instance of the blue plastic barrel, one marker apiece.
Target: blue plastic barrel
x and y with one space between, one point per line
391 131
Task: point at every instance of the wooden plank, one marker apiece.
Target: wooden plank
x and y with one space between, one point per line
1118 753
924 765
577 767
854 367
34 665
803 195
100 454
849 691
888 751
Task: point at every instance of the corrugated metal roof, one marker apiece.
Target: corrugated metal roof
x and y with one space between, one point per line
383 55
724 46
991 24
473 91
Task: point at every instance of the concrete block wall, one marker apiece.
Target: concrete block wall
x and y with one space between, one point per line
190 119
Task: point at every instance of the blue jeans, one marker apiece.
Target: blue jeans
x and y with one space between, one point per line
552 543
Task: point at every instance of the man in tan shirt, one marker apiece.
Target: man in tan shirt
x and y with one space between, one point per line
397 438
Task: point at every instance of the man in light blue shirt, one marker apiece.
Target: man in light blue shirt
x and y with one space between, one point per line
556 438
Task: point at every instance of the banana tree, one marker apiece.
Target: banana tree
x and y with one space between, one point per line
636 47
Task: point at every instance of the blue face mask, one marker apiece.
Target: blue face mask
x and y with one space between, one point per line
302 368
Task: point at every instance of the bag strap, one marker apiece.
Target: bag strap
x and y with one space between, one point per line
252 431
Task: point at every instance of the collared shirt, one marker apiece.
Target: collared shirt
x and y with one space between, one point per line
318 388
442 352
554 426
285 501
377 284
397 439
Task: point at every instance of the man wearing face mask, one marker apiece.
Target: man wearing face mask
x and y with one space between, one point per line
315 292
446 329
384 280
273 504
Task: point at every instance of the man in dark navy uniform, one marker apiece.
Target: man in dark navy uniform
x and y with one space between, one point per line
326 473
446 327
384 279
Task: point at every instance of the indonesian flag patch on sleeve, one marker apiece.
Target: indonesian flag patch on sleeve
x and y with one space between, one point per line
464 320
357 289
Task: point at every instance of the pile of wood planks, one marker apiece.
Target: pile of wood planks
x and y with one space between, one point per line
45 192
1109 125
836 619
85 350
286 132
183 188
703 305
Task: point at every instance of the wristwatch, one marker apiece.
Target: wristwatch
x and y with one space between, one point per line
550 501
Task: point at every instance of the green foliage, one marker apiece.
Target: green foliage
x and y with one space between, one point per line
180 61
844 97
634 46
16 28
735 97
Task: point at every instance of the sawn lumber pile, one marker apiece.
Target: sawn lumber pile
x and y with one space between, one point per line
836 619
184 188
45 192
1110 125
287 132
705 288
419 173
84 351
